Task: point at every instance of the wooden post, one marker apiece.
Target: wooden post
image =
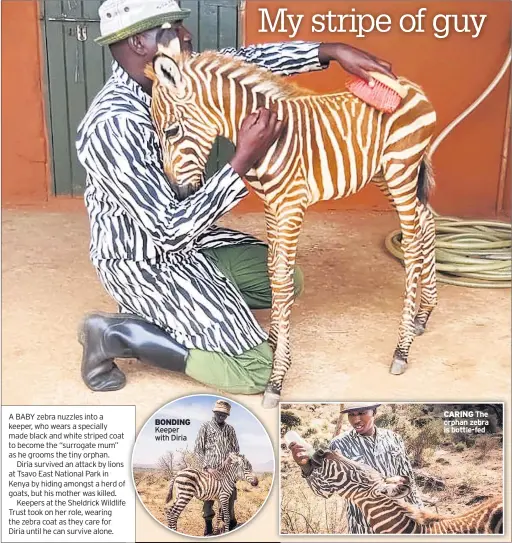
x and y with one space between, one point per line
337 430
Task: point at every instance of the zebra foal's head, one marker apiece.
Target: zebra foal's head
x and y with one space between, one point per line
196 98
243 468
185 130
347 475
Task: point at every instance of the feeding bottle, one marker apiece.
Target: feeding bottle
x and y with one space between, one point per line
294 437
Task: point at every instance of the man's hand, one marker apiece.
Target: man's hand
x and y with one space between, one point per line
299 454
353 60
213 472
258 132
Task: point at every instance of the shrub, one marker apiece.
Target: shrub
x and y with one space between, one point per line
428 437
309 432
460 446
484 444
289 420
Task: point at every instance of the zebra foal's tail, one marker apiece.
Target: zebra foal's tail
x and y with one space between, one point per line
425 179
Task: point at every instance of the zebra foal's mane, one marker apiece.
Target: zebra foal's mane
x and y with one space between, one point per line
242 72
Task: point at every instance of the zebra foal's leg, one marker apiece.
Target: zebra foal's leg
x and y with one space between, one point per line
428 299
428 296
284 252
270 221
176 510
224 509
402 181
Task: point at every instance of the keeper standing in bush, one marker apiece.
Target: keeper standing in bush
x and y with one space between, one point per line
379 448
215 440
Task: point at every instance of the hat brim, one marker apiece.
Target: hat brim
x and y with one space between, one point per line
363 408
221 411
142 26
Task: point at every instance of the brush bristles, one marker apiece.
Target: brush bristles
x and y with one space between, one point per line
379 96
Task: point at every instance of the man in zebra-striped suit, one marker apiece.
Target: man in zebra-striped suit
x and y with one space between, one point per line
379 448
215 440
185 287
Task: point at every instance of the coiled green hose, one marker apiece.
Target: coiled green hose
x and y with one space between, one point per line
468 253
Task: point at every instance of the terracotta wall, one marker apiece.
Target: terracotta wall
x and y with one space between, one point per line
24 144
453 72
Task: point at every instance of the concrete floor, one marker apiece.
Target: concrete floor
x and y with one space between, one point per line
344 329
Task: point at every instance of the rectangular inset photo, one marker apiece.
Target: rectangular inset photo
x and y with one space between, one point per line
391 468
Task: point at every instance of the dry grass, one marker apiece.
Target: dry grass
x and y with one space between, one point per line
152 486
470 474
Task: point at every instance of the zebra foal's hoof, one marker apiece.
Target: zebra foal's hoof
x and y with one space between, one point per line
419 327
270 400
398 366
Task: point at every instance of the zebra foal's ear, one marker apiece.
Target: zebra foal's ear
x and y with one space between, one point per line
167 71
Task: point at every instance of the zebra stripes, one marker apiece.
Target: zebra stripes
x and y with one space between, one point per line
384 452
332 146
146 245
191 483
377 498
214 442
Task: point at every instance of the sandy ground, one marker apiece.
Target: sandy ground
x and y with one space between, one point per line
153 488
344 327
471 467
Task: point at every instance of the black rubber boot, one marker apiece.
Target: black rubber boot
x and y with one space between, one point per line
232 524
208 528
105 336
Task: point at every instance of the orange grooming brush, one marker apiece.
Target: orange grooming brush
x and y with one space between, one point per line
385 95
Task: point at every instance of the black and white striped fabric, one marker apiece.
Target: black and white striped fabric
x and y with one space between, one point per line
190 483
385 452
146 245
214 442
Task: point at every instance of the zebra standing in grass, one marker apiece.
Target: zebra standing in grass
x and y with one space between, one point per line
192 483
331 473
331 146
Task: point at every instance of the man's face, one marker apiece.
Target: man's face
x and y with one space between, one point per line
362 421
220 417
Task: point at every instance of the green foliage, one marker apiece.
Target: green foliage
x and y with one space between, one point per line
460 446
309 432
421 432
320 443
467 439
289 420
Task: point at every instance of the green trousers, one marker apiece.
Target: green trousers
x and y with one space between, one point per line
246 267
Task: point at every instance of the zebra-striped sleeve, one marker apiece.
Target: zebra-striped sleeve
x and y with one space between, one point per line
287 58
120 157
200 445
405 468
234 441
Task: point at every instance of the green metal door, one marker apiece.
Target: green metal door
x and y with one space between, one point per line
76 68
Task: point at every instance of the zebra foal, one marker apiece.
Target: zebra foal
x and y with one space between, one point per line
377 498
192 483
331 146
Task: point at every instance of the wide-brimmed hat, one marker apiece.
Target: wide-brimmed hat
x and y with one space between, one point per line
359 406
120 19
221 406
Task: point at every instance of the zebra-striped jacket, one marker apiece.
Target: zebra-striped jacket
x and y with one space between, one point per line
134 215
384 452
214 442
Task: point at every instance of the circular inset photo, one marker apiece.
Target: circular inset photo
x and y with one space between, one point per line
203 465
